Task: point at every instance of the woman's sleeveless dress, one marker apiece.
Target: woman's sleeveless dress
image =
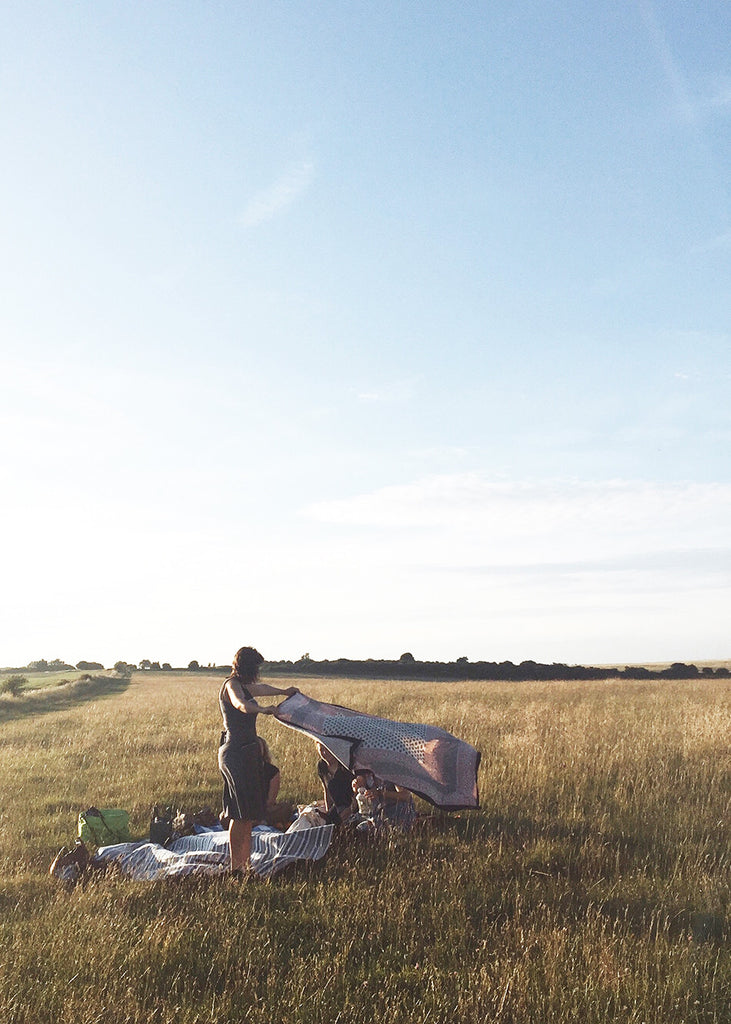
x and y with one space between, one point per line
240 761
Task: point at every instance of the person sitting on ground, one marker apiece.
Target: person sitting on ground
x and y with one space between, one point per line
336 785
271 778
387 803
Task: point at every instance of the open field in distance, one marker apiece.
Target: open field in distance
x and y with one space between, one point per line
592 885
41 680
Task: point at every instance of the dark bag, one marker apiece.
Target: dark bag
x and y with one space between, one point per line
161 825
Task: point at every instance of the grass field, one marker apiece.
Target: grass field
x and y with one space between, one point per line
592 885
41 680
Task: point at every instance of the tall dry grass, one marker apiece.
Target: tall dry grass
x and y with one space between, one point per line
592 885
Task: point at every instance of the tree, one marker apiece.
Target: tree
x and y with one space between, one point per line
49 666
87 666
13 685
58 666
679 670
193 665
407 657
145 664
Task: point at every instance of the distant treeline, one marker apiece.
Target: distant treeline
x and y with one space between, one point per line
410 668
407 667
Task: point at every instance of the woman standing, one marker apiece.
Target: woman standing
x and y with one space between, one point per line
239 753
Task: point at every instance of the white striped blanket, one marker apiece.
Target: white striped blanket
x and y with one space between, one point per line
207 853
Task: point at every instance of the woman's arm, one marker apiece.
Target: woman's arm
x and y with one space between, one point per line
395 795
260 689
238 699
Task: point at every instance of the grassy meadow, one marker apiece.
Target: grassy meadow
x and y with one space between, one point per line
591 886
41 680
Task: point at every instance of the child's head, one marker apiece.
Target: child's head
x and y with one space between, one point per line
364 780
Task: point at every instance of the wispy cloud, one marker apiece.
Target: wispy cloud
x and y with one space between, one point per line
684 107
395 392
274 200
565 569
713 562
690 107
722 95
466 519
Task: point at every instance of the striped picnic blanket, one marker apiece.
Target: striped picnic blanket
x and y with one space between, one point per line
207 853
424 759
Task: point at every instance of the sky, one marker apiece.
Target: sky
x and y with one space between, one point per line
352 329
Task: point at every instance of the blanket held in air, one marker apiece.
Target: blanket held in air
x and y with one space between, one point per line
427 760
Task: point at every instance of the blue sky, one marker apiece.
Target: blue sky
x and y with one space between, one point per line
362 328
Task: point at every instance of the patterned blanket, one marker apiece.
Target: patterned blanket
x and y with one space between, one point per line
207 853
424 759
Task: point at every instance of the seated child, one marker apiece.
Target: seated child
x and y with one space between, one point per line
385 802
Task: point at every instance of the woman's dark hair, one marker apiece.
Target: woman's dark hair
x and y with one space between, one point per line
246 664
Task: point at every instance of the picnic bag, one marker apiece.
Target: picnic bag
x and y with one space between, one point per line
161 825
104 828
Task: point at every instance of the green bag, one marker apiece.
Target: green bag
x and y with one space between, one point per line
104 828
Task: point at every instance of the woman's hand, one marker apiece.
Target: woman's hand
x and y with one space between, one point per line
291 690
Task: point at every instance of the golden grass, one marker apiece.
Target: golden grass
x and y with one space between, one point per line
592 885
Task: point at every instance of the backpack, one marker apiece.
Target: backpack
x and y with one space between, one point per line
161 825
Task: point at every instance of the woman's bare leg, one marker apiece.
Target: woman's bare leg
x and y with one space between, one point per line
239 841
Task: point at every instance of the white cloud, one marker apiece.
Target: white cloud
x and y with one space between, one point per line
449 565
722 96
395 392
684 108
551 569
273 200
465 519
688 108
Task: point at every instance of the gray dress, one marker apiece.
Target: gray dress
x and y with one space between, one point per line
240 761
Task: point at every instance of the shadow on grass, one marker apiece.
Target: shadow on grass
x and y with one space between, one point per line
524 881
520 831
578 857
60 698
515 829
647 919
